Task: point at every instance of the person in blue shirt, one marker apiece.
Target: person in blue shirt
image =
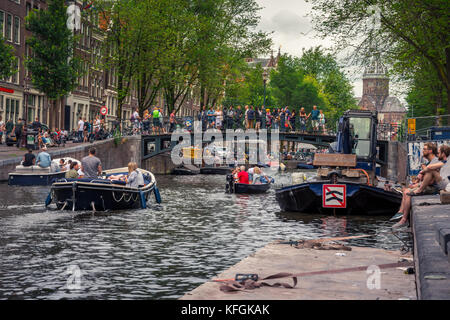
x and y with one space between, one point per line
314 118
211 118
43 159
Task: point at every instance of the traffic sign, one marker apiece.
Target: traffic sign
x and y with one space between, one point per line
104 111
334 196
411 126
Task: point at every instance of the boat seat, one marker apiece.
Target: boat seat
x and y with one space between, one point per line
33 169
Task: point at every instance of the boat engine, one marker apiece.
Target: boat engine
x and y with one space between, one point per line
229 188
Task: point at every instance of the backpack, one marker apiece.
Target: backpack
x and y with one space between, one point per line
132 117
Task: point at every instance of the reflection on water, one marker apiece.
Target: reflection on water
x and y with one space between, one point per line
158 253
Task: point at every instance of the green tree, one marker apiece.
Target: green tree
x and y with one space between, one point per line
403 32
54 69
336 90
8 60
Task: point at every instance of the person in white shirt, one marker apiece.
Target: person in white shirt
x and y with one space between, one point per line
80 129
96 124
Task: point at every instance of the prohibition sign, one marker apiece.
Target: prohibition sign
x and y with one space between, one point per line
104 111
334 196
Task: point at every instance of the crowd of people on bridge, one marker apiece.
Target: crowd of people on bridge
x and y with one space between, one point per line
248 117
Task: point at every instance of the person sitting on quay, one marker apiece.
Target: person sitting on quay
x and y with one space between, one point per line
135 179
29 159
73 172
43 159
91 166
432 178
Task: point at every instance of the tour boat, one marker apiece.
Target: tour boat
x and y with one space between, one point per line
102 193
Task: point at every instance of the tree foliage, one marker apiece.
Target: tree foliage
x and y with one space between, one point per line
405 33
54 69
175 47
8 60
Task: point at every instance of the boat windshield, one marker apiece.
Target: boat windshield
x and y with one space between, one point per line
360 130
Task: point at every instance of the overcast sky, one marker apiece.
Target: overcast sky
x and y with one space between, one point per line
290 22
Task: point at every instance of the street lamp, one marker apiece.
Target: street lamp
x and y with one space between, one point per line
265 77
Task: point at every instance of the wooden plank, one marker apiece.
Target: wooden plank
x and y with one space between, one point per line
335 160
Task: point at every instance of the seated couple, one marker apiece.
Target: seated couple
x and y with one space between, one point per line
431 179
134 179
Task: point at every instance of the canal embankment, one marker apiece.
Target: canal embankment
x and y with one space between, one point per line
331 274
358 274
430 225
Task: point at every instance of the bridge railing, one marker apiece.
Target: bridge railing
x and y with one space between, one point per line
163 126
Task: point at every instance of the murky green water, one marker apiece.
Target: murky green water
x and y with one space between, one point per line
158 253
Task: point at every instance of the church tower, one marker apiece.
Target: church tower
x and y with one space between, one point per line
375 85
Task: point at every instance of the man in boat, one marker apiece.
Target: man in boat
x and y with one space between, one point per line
29 159
243 176
435 178
43 159
91 165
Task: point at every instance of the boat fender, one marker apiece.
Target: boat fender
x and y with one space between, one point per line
157 195
48 200
143 201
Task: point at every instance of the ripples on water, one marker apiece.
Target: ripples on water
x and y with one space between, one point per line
158 253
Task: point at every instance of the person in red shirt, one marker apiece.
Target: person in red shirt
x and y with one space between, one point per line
243 176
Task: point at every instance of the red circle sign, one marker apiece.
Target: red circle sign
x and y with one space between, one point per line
104 111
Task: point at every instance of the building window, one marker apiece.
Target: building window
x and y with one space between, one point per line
8 27
16 31
2 23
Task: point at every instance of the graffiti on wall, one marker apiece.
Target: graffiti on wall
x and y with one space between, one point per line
415 158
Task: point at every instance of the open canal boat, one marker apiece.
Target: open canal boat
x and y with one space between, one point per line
345 182
234 187
35 175
102 193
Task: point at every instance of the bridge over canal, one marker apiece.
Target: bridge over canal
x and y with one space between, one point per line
153 145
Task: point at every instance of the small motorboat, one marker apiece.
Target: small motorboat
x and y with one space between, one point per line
102 193
186 170
35 175
233 187
215 170
305 166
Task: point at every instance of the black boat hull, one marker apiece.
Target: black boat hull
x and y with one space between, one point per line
361 200
43 179
216 170
251 188
97 198
102 194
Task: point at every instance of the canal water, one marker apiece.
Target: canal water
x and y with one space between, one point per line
158 253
